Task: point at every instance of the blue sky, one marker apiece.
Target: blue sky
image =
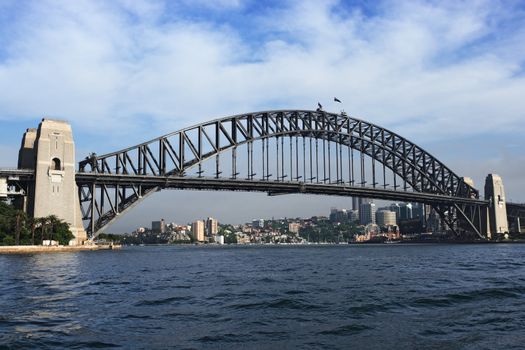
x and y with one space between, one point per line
446 75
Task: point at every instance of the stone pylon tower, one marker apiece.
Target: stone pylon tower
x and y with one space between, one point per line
497 221
50 151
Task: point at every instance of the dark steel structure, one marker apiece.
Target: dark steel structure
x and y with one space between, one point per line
516 215
285 151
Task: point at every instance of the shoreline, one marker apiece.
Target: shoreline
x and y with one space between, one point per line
415 242
28 249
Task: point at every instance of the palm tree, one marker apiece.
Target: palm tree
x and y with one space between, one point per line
17 227
32 221
53 221
22 220
42 223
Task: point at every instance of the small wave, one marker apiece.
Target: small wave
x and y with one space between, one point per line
94 345
496 320
278 304
471 296
137 316
160 301
267 280
369 309
295 292
432 332
109 282
274 335
346 330
227 338
181 287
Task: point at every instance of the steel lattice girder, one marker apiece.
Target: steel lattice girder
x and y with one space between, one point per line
175 153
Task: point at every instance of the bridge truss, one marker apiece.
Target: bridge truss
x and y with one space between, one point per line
278 152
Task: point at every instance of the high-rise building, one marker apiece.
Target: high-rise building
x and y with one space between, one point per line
353 215
367 213
405 212
355 203
158 226
338 215
258 223
418 211
197 228
395 207
386 218
212 226
364 201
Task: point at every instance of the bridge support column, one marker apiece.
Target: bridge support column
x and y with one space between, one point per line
51 153
497 222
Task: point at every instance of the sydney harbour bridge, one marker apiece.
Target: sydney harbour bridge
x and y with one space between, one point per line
277 152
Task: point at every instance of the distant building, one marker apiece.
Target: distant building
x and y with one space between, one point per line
158 226
395 207
197 228
219 239
405 212
338 215
353 215
355 203
294 227
259 223
367 213
386 218
361 201
212 227
418 211
318 219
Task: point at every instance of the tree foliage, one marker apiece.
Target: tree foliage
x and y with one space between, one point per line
17 228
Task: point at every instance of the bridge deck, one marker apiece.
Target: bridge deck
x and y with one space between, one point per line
270 187
20 173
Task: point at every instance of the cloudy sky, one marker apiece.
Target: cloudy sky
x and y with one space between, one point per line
448 76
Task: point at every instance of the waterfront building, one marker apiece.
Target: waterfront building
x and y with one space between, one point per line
367 213
158 226
212 227
386 218
258 223
197 228
219 239
294 227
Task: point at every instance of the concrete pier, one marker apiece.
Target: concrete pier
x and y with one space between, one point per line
50 151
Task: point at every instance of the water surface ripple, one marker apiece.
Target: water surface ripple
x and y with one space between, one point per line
266 297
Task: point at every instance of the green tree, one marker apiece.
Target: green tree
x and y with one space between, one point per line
230 238
59 230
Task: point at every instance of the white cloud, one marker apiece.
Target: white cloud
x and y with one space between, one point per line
101 66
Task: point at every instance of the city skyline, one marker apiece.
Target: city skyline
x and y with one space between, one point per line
438 74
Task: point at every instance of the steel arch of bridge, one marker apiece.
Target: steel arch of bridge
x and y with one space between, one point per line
112 183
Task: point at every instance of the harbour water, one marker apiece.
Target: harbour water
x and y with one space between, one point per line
267 297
